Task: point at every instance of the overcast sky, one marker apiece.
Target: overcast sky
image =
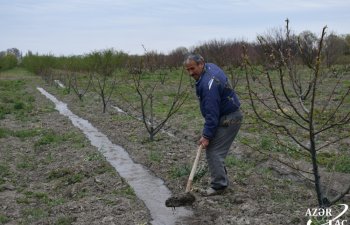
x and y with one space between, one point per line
72 27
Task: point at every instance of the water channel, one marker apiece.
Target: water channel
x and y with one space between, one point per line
149 188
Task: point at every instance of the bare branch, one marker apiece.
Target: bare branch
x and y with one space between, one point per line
332 142
342 121
287 96
294 167
340 196
250 91
330 96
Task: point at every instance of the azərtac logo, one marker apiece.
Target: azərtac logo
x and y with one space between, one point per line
328 214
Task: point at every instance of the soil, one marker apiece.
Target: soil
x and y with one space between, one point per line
67 181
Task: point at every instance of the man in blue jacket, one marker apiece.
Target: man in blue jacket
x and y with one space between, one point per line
220 108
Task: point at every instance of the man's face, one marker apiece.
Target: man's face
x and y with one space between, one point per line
194 70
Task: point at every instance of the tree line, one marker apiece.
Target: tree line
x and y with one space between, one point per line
222 52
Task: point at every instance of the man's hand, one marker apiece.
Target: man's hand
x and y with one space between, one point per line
204 142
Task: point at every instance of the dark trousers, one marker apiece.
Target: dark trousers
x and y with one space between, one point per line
219 146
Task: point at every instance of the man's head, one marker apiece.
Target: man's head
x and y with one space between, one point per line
194 64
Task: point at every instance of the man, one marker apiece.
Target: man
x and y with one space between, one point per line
219 106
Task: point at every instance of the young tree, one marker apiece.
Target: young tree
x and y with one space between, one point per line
302 104
102 66
77 70
8 61
145 84
308 42
334 48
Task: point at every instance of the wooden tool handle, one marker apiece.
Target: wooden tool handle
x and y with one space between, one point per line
194 167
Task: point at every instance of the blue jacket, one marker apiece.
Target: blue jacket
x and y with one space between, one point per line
216 97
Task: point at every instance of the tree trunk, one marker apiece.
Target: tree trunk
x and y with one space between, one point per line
315 170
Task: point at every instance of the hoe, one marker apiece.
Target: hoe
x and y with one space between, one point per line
186 198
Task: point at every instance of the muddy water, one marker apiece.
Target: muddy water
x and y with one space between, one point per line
150 189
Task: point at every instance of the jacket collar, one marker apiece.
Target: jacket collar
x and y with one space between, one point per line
202 74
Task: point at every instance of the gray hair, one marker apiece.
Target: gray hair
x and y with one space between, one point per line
193 57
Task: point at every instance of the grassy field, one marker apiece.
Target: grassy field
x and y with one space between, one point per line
35 140
163 85
49 172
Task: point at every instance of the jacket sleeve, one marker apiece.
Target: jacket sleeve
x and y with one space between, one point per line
211 104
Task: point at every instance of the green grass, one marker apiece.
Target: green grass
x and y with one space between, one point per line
27 133
58 173
231 161
43 198
180 171
201 171
163 94
77 139
4 172
47 109
155 156
127 191
48 159
121 117
4 219
14 99
320 220
33 197
95 156
334 162
27 163
18 105
66 175
81 193
185 170
242 167
74 178
4 132
104 167
109 201
50 137
66 220
34 214
22 134
56 202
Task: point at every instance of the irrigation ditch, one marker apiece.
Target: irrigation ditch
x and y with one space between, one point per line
150 189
